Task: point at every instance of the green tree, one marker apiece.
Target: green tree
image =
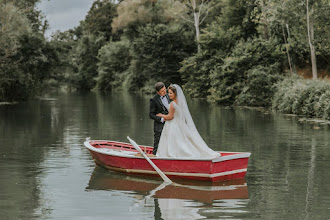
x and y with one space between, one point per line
217 40
216 43
132 14
28 8
195 12
259 86
99 18
300 36
62 73
229 78
25 56
114 61
157 53
85 61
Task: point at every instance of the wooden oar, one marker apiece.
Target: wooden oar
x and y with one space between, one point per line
161 174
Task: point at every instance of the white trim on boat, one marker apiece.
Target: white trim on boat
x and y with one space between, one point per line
207 175
231 157
131 154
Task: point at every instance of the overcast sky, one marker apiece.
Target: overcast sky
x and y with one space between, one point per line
64 14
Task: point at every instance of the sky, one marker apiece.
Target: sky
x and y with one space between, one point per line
64 14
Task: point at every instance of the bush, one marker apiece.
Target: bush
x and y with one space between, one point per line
215 43
310 98
259 88
229 79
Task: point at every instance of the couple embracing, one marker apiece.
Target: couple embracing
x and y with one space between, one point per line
175 134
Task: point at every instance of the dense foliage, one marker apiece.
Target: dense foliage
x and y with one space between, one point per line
25 57
309 98
228 52
114 60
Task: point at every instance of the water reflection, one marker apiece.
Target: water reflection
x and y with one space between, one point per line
183 199
44 167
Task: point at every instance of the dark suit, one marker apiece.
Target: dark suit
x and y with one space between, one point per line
156 106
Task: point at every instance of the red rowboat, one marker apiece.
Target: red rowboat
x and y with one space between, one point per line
123 157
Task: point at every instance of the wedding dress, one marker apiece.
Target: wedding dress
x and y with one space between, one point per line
180 138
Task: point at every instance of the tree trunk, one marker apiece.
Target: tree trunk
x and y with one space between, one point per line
287 49
265 22
310 32
196 21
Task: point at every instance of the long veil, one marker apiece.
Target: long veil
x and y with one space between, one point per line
186 119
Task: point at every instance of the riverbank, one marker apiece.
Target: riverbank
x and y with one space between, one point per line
8 103
302 119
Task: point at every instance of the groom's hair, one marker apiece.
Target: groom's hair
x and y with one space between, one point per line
159 86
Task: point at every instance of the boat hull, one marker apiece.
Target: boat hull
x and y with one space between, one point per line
231 165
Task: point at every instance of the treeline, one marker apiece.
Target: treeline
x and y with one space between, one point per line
26 58
229 52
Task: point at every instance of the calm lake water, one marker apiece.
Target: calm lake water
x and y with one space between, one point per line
46 173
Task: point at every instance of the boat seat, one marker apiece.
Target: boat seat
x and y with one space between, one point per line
107 150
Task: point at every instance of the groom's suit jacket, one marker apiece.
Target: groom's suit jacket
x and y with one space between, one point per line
157 106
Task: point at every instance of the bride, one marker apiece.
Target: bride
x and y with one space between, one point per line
180 138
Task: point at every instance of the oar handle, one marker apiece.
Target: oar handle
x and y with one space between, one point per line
162 175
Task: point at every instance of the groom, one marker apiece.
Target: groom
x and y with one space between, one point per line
158 104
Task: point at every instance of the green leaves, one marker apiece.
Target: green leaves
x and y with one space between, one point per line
85 60
114 61
229 78
259 86
310 98
99 18
25 57
157 53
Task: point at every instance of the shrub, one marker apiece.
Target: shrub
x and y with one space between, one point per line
229 79
259 88
310 98
215 43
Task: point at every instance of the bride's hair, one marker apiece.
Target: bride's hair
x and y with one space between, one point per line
171 87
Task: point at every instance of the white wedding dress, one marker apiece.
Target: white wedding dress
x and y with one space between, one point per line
180 138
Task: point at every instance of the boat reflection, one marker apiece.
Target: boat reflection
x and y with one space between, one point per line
205 192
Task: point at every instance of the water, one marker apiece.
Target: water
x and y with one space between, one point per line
46 173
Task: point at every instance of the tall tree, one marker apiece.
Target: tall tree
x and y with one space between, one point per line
270 20
157 53
192 11
131 13
99 18
114 62
310 33
303 26
25 56
200 10
13 25
85 61
230 25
